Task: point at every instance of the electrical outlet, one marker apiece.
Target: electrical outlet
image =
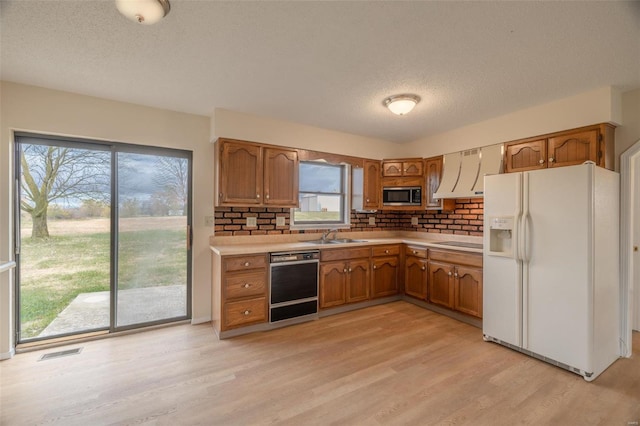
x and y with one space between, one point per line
280 221
252 222
209 221
414 220
372 220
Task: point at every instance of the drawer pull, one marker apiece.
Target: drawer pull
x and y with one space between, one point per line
246 264
415 252
246 313
386 252
247 285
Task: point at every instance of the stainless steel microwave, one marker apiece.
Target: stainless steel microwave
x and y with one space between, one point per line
402 196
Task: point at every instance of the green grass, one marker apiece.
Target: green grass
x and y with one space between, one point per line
54 271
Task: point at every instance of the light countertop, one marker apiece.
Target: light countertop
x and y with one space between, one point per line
226 247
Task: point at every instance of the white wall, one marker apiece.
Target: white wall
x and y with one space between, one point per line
235 125
34 109
629 132
597 106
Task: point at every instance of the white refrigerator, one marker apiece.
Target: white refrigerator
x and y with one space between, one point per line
551 265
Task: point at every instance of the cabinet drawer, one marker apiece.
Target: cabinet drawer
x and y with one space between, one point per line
245 312
388 250
342 254
241 263
415 251
245 284
456 257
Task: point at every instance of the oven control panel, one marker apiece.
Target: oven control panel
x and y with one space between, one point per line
294 256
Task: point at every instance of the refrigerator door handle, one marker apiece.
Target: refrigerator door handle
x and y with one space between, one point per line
523 239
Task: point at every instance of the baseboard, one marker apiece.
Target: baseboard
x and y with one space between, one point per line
200 320
7 355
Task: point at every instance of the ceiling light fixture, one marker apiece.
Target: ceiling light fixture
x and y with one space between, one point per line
145 12
401 104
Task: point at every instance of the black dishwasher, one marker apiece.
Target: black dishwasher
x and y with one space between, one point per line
293 289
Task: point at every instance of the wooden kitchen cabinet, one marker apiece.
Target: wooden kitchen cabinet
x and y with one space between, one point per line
385 267
239 291
254 174
415 272
372 191
344 276
591 143
411 167
455 281
433 173
468 290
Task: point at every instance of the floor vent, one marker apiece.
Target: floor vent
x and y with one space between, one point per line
59 354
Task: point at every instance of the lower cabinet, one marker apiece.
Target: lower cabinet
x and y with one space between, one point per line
239 291
344 276
415 272
385 266
455 281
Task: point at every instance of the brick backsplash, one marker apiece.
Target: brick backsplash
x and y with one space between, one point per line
466 219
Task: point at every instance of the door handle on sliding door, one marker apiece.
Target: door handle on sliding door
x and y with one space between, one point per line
189 237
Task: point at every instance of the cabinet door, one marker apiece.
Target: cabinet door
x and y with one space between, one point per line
468 291
333 284
280 177
240 173
412 168
415 277
392 168
385 276
358 280
574 148
372 189
441 288
433 171
522 156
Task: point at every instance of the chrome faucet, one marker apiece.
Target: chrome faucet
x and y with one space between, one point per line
326 234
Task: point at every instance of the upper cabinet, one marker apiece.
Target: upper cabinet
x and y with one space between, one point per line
254 174
372 191
592 143
405 167
432 172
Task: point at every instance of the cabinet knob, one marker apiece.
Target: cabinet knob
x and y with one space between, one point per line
423 268
455 275
257 195
386 252
344 270
246 285
246 263
220 195
246 313
415 252
349 269
266 196
551 160
375 267
367 200
450 273
541 161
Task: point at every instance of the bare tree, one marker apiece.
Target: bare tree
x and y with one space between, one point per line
58 173
172 176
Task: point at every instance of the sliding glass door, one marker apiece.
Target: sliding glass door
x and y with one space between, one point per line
152 237
102 236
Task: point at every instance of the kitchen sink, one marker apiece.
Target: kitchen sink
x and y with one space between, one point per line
336 241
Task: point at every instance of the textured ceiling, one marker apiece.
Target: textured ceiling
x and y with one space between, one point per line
328 64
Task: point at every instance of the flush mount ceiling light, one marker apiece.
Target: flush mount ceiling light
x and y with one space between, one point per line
401 104
145 12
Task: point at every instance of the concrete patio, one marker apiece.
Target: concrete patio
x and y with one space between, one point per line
90 311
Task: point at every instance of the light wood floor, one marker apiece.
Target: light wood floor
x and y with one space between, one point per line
388 364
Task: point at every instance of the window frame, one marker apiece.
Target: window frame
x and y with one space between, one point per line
345 202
